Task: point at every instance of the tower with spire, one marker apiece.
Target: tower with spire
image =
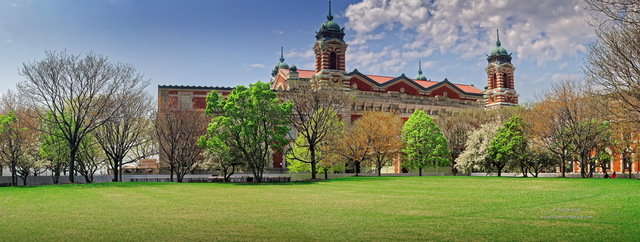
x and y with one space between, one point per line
500 90
330 50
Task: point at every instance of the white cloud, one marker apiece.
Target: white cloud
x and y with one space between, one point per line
277 31
540 31
257 65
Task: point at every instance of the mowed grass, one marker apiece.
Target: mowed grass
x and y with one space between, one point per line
355 208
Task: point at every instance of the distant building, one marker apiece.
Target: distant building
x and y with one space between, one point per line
402 95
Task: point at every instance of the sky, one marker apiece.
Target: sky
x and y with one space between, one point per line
237 42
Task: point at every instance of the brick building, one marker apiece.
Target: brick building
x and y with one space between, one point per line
401 94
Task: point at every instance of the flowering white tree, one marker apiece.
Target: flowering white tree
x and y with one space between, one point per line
477 145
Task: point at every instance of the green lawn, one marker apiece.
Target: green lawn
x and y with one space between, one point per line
363 208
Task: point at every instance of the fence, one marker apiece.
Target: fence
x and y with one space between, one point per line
242 179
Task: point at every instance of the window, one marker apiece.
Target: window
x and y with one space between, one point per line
386 109
505 80
185 102
333 61
494 80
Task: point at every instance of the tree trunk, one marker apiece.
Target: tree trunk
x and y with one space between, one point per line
24 180
522 169
115 171
357 168
72 165
14 174
171 173
379 170
563 167
312 155
419 171
326 174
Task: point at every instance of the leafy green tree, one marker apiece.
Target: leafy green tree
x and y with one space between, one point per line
220 156
424 143
54 151
509 144
252 121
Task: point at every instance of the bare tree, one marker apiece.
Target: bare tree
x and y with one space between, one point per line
177 134
77 92
619 11
613 63
553 118
315 105
128 131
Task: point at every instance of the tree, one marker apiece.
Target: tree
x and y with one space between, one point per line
54 151
380 136
354 146
17 140
252 121
538 159
612 63
78 93
554 118
477 148
588 136
126 138
508 145
299 152
624 139
304 156
424 143
177 133
90 158
314 110
220 156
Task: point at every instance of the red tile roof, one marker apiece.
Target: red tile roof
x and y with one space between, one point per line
382 79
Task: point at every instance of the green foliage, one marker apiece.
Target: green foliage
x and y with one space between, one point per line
252 121
327 160
299 155
509 144
424 143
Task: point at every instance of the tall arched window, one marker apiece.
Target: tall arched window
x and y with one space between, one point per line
494 81
333 61
505 80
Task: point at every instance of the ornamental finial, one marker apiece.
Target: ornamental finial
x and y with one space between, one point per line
281 54
329 17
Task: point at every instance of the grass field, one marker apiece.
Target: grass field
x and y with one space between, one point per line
362 208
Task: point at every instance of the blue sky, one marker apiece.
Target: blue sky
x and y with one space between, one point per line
233 42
